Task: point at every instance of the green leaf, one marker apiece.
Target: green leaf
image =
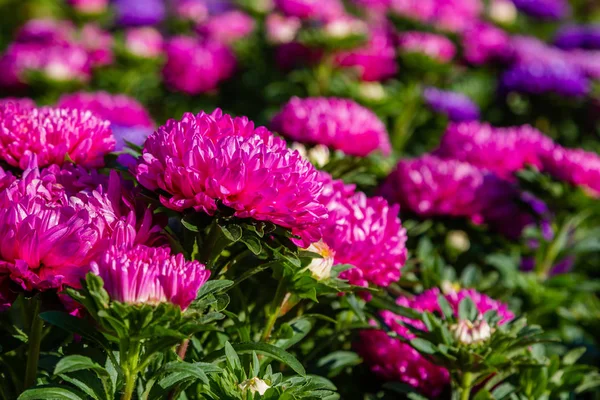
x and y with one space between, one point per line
78 363
333 363
253 243
423 346
261 348
447 310
232 232
52 392
467 309
189 225
385 303
211 287
572 356
178 371
75 325
232 358
300 328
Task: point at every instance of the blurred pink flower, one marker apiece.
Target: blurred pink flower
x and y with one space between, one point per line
204 160
311 9
335 122
227 27
46 31
53 134
193 67
98 43
20 102
281 29
576 166
436 46
90 6
144 42
484 42
150 275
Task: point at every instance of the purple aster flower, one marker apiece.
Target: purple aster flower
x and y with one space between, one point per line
204 160
578 37
139 12
150 275
540 76
436 46
375 61
393 360
500 150
587 60
52 135
576 166
195 67
20 102
338 123
483 42
227 27
456 106
544 9
129 119
363 232
311 9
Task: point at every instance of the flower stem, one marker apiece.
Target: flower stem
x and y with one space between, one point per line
274 310
465 387
35 340
130 359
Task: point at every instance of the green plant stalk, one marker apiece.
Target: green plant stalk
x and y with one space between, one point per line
274 310
130 354
35 341
465 386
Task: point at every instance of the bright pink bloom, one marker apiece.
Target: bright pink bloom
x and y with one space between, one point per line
98 43
89 6
576 166
191 10
438 47
53 134
281 29
6 179
338 123
420 10
55 63
46 31
311 9
500 150
375 61
363 232
393 360
21 102
193 67
144 42
205 160
227 27
450 15
483 42
150 275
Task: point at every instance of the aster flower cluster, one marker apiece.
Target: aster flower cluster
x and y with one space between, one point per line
456 106
438 47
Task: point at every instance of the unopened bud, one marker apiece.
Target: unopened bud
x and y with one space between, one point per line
468 332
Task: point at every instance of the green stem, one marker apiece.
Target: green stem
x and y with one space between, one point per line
130 360
35 340
274 309
465 387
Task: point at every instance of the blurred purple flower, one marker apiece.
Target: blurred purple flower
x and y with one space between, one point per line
544 9
456 106
139 12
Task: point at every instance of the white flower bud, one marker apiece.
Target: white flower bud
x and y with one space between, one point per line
255 385
321 267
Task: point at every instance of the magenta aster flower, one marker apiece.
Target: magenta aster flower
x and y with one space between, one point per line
500 150
456 15
89 6
206 159
150 275
46 31
338 123
420 10
53 134
280 29
438 47
576 166
363 232
375 61
456 106
98 43
191 10
6 179
483 42
227 27
20 102
193 67
144 42
55 63
393 360
311 9
129 119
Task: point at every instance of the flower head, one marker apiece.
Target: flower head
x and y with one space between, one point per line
500 150
53 134
484 42
578 37
46 31
227 27
193 67
438 47
129 119
338 123
150 275
139 12
456 106
544 9
311 9
20 102
321 267
98 43
255 385
576 166
374 61
206 161
144 42
89 6
281 29
191 10
363 232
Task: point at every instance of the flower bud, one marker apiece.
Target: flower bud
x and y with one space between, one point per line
321 267
255 385
468 332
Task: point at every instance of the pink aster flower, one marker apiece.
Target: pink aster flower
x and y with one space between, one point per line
375 61
456 15
484 42
500 150
436 46
98 43
576 166
46 31
311 9
393 360
191 10
144 42
21 102
193 67
54 63
420 10
129 119
52 134
281 29
150 275
227 27
338 123
206 159
6 179
363 232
